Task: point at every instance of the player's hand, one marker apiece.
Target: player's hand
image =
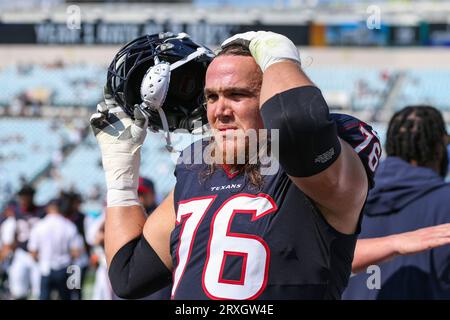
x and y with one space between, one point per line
266 47
120 139
377 250
421 239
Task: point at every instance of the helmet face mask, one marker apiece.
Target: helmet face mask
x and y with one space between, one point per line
138 61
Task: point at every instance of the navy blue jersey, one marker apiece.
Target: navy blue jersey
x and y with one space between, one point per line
232 241
25 221
405 198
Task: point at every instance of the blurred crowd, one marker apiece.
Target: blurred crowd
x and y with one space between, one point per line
69 133
46 252
26 93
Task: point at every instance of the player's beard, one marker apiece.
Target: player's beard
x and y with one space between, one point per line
232 147
218 149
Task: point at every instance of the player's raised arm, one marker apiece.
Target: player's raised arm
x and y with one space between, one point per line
136 268
324 167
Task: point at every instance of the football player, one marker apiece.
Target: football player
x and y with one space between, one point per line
227 231
23 272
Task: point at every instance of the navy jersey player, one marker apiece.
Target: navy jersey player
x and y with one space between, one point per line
23 271
234 241
227 231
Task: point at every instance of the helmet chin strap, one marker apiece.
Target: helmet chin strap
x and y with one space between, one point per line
165 125
155 85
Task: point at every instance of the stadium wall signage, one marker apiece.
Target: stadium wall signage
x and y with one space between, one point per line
101 33
344 34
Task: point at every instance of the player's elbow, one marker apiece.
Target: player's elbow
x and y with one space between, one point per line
136 270
129 284
122 289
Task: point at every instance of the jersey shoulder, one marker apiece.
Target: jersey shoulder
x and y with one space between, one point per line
363 139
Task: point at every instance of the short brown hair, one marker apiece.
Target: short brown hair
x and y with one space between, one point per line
234 50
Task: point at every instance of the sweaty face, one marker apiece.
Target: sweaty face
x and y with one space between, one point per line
232 89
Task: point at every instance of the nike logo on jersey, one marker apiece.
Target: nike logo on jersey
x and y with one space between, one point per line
229 186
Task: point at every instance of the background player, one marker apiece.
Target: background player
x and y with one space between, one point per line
410 193
23 273
55 243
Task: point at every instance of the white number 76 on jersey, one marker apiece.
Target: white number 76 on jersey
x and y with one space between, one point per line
222 243
375 153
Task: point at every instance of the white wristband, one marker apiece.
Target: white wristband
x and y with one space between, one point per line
122 198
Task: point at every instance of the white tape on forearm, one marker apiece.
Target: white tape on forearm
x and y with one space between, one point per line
121 170
122 198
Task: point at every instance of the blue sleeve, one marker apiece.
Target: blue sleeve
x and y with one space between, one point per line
441 256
